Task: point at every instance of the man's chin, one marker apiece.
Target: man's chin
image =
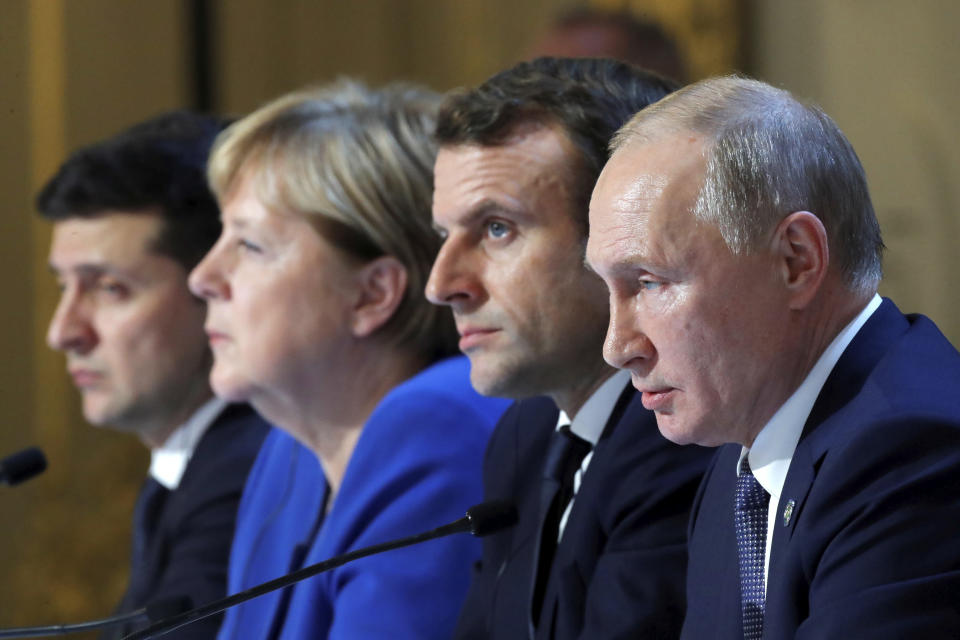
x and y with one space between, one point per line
106 417
678 431
504 382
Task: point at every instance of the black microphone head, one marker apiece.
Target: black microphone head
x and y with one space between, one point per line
22 466
490 517
168 607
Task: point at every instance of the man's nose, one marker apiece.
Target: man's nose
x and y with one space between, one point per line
71 328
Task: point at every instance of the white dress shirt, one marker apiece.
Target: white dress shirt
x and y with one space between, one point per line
169 461
774 446
589 423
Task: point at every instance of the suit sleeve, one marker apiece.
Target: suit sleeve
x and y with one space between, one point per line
885 521
421 466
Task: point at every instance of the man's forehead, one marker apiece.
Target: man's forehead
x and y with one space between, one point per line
647 190
515 175
640 174
110 238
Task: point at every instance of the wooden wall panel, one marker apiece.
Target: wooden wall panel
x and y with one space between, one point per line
266 50
73 72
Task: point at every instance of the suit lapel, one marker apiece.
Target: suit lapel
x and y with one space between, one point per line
843 384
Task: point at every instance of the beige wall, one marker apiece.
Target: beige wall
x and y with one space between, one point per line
886 70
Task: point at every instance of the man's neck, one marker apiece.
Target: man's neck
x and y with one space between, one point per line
156 435
572 399
838 311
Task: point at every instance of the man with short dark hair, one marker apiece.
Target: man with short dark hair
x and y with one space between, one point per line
734 230
131 216
599 551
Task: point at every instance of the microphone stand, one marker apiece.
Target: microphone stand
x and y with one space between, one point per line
480 520
64 629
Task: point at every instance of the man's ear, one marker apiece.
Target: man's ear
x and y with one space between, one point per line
381 283
803 253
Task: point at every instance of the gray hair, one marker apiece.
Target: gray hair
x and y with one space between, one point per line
766 156
357 163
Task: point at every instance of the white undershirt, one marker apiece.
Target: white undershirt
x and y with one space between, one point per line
169 461
589 424
774 446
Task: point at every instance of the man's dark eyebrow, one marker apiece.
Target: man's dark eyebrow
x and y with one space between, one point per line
490 207
91 269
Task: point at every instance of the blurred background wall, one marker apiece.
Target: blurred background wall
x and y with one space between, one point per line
73 71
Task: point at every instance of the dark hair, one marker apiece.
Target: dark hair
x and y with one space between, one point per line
644 43
589 97
157 166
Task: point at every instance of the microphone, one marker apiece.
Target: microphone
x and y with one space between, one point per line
480 520
22 466
153 612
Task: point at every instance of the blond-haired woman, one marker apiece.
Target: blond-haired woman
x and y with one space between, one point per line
316 317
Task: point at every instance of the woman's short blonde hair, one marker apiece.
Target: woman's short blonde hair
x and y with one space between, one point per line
358 164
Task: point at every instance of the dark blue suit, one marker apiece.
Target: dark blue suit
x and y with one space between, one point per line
619 569
186 552
872 547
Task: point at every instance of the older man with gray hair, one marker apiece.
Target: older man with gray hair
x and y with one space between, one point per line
734 230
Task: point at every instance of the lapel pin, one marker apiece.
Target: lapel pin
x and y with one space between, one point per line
788 512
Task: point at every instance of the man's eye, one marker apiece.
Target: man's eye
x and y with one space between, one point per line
497 229
649 285
113 289
246 245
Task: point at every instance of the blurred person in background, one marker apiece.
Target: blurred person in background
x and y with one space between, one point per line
316 317
589 32
131 216
600 548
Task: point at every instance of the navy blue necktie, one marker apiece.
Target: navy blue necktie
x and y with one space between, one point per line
146 514
750 518
565 454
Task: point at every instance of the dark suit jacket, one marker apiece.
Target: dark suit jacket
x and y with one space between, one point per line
619 569
187 553
872 547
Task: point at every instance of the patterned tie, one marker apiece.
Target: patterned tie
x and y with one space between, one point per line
751 523
565 454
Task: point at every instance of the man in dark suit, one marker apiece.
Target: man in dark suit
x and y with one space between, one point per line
131 217
603 498
734 230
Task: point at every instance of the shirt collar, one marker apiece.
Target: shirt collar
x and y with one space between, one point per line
593 415
169 461
774 446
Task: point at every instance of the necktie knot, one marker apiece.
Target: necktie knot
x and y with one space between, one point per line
564 456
